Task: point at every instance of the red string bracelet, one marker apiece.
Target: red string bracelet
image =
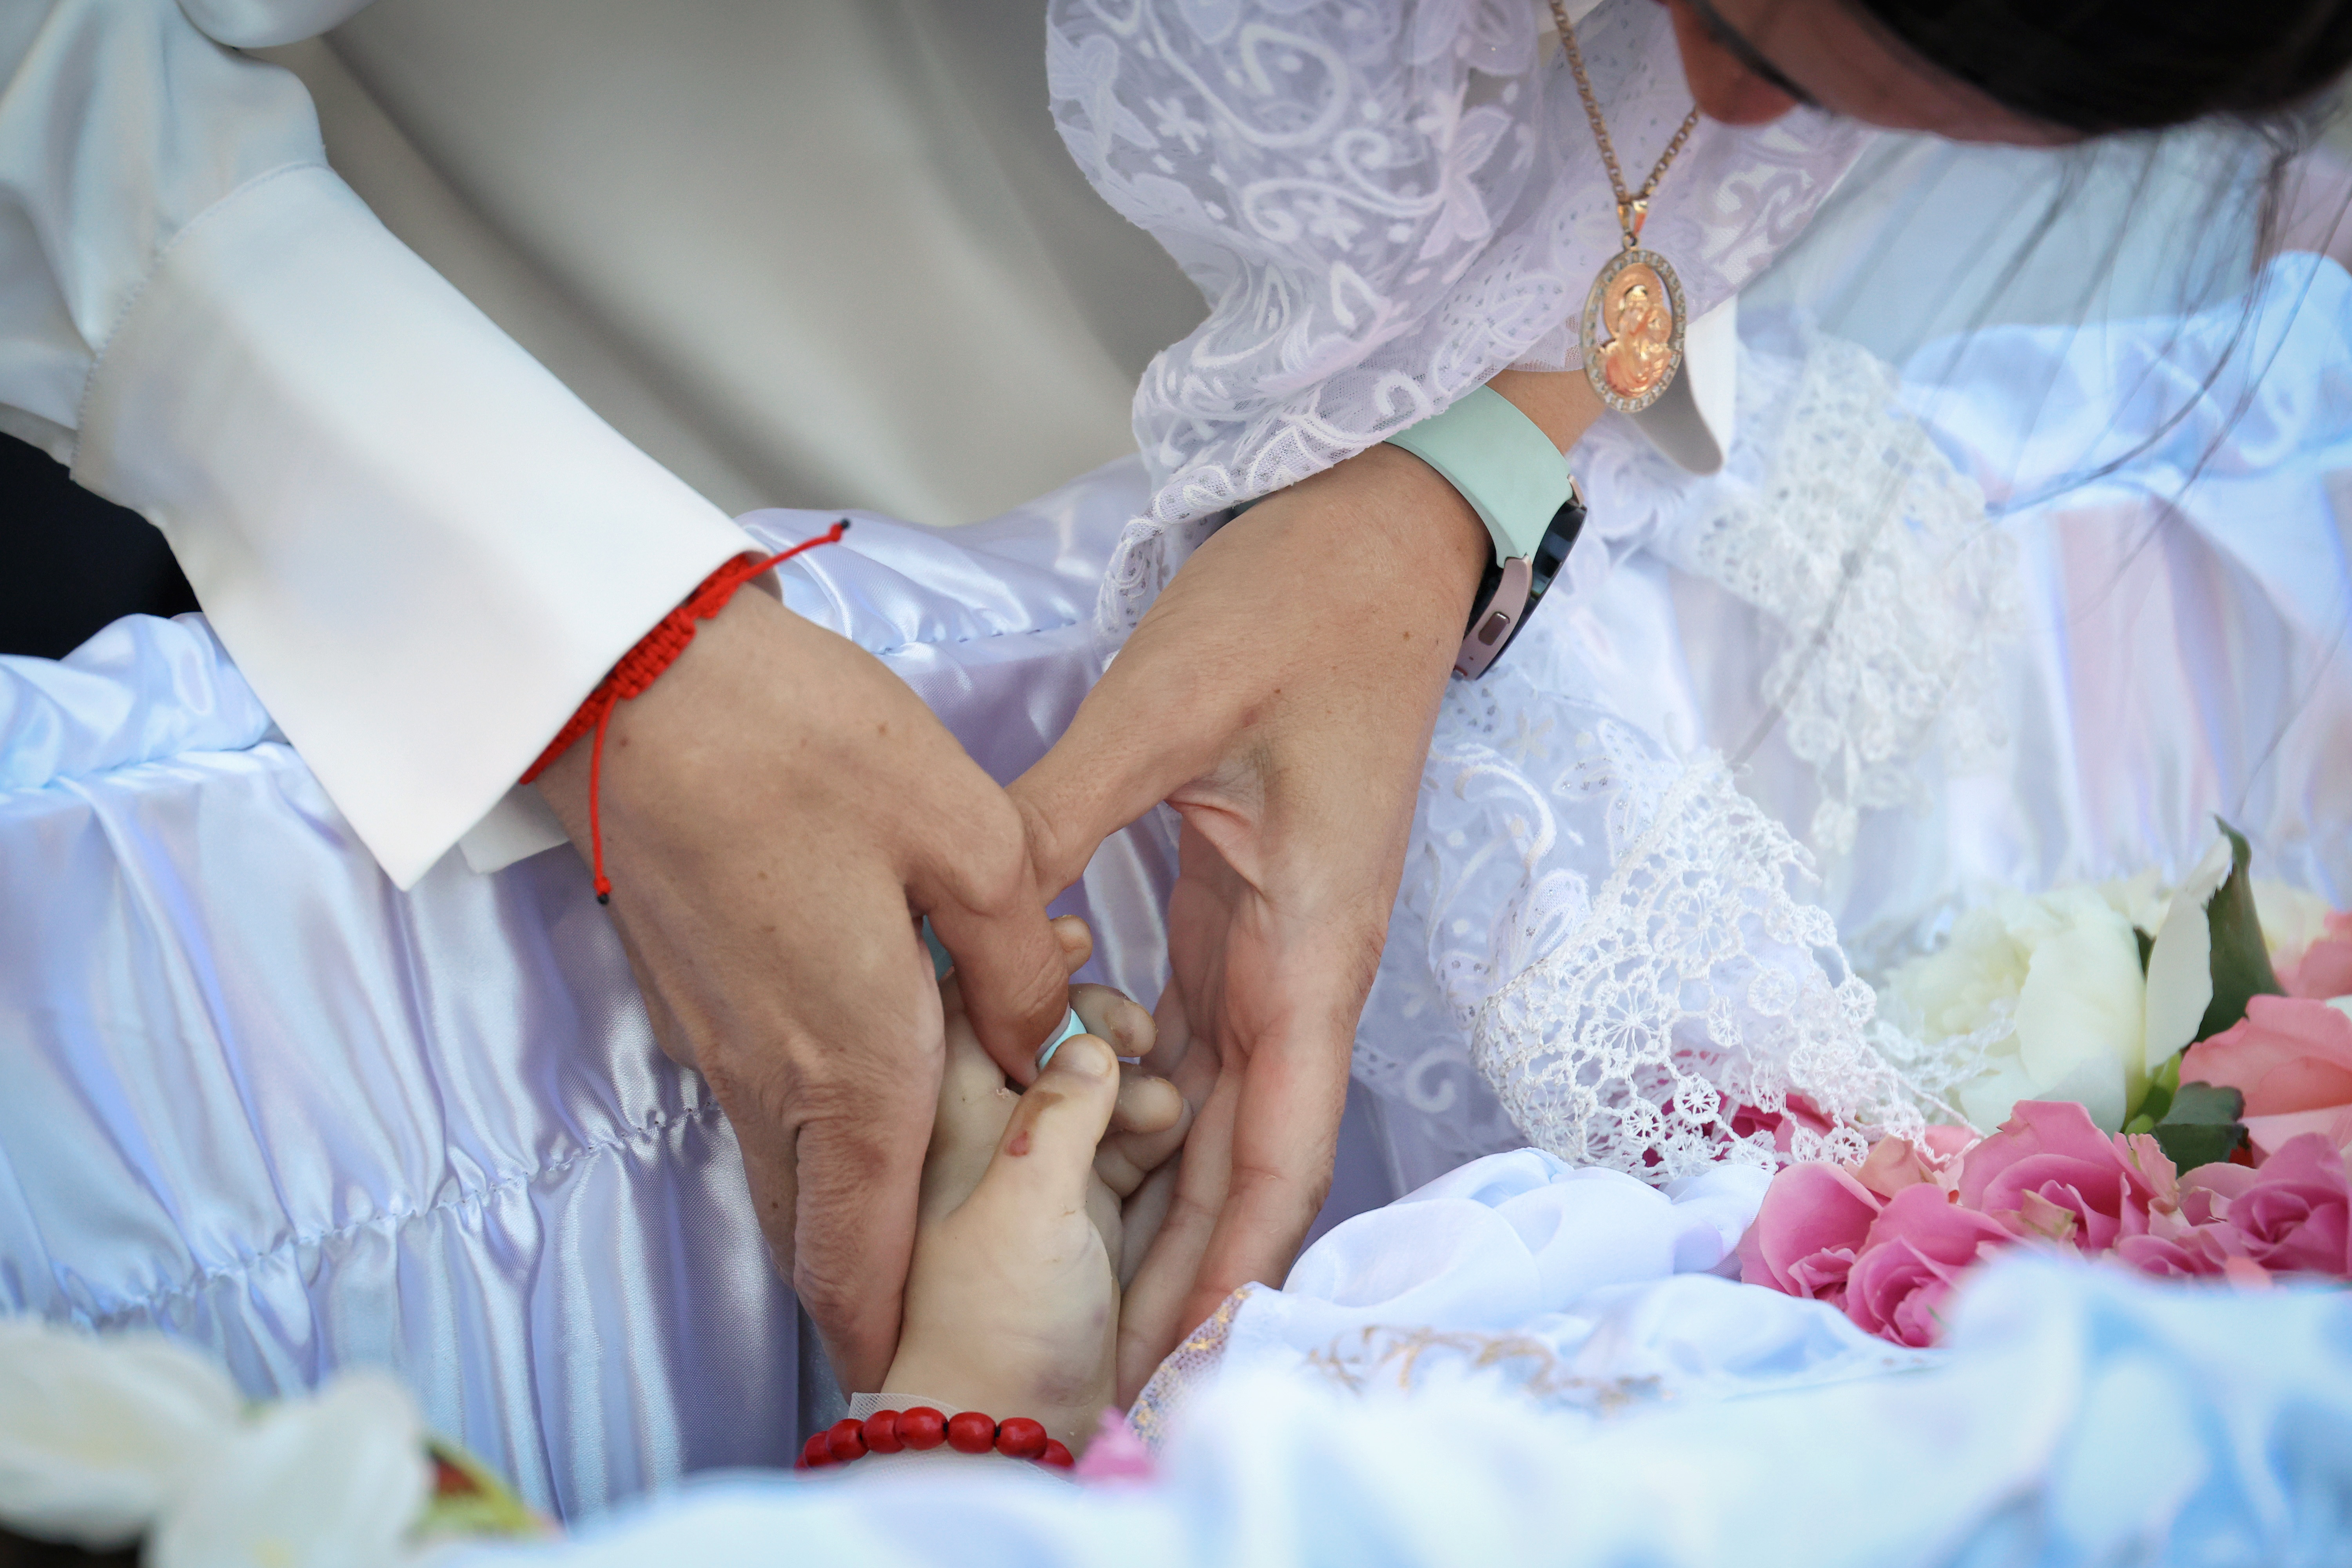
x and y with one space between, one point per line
642 665
921 1428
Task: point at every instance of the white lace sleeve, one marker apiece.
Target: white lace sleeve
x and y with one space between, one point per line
1597 946
1597 950
1385 203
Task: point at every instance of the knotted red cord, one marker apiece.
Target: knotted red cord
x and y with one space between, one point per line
642 665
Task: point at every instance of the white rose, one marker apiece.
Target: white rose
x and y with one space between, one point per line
105 1440
332 1482
2292 919
96 1435
2058 976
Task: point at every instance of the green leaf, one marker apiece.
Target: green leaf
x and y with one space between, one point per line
2202 1126
2146 947
2241 958
2157 1101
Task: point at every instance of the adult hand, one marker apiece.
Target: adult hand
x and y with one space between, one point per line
1280 695
777 811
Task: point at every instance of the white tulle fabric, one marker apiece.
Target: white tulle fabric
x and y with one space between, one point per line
1385 203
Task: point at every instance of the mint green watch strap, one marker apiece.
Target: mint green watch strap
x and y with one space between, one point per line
1501 461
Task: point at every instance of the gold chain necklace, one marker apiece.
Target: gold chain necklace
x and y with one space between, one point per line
1632 325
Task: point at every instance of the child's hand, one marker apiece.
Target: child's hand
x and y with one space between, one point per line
1011 1304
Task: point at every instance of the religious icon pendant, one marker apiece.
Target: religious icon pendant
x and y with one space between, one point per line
1633 329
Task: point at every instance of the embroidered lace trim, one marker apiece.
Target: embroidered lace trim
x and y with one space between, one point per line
1695 985
1183 1371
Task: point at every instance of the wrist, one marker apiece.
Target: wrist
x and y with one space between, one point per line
914 1378
1382 529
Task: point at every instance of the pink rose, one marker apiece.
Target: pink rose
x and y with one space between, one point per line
1806 1235
1916 1252
2051 1171
1895 1163
2296 1214
2292 1058
2193 1240
2324 969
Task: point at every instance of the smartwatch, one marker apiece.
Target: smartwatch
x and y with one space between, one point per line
1518 484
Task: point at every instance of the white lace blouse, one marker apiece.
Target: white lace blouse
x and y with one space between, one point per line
1386 202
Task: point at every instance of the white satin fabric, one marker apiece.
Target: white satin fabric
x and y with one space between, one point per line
261 1099
1626 1412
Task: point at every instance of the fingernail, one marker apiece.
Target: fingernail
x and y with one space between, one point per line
1089 1058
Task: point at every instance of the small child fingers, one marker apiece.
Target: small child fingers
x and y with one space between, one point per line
1171 1034
1127 1156
1044 1161
1146 1104
1141 1216
1114 1016
1077 941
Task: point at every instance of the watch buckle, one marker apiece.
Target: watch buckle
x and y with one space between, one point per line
1490 630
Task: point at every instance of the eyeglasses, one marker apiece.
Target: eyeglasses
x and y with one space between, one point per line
1751 58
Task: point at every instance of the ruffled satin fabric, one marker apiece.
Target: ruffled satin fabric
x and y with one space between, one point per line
1529 1365
259 1099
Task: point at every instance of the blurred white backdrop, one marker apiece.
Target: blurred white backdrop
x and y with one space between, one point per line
819 253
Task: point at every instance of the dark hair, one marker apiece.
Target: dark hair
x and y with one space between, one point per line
2102 66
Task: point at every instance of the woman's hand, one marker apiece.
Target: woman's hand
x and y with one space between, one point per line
777 809
1280 696
1014 1301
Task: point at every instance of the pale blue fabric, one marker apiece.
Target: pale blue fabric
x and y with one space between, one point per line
2078 1415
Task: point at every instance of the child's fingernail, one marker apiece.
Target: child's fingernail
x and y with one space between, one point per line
1088 1057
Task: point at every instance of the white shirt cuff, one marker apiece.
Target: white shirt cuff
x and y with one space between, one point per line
422 549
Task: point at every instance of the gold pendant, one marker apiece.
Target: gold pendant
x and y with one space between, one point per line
1632 331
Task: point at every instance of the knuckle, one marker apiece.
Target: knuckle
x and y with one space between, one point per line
986 869
827 1297
1040 838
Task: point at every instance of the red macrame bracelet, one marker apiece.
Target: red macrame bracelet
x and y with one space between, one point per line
642 665
888 1431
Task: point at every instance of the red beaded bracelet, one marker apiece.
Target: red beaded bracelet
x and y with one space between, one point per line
968 1432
